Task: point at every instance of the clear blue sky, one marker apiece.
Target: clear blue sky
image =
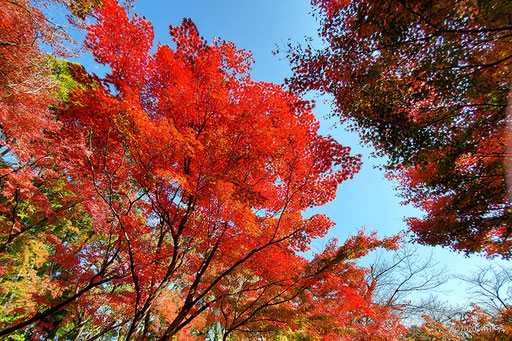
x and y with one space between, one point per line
261 26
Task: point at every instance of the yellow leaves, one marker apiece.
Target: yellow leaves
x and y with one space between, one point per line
21 279
81 8
27 252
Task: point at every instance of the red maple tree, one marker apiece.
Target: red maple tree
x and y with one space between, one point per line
192 181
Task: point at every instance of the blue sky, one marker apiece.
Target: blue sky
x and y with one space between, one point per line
261 27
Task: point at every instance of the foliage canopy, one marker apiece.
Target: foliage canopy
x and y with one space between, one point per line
426 83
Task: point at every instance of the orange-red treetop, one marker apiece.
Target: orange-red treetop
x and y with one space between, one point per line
193 122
